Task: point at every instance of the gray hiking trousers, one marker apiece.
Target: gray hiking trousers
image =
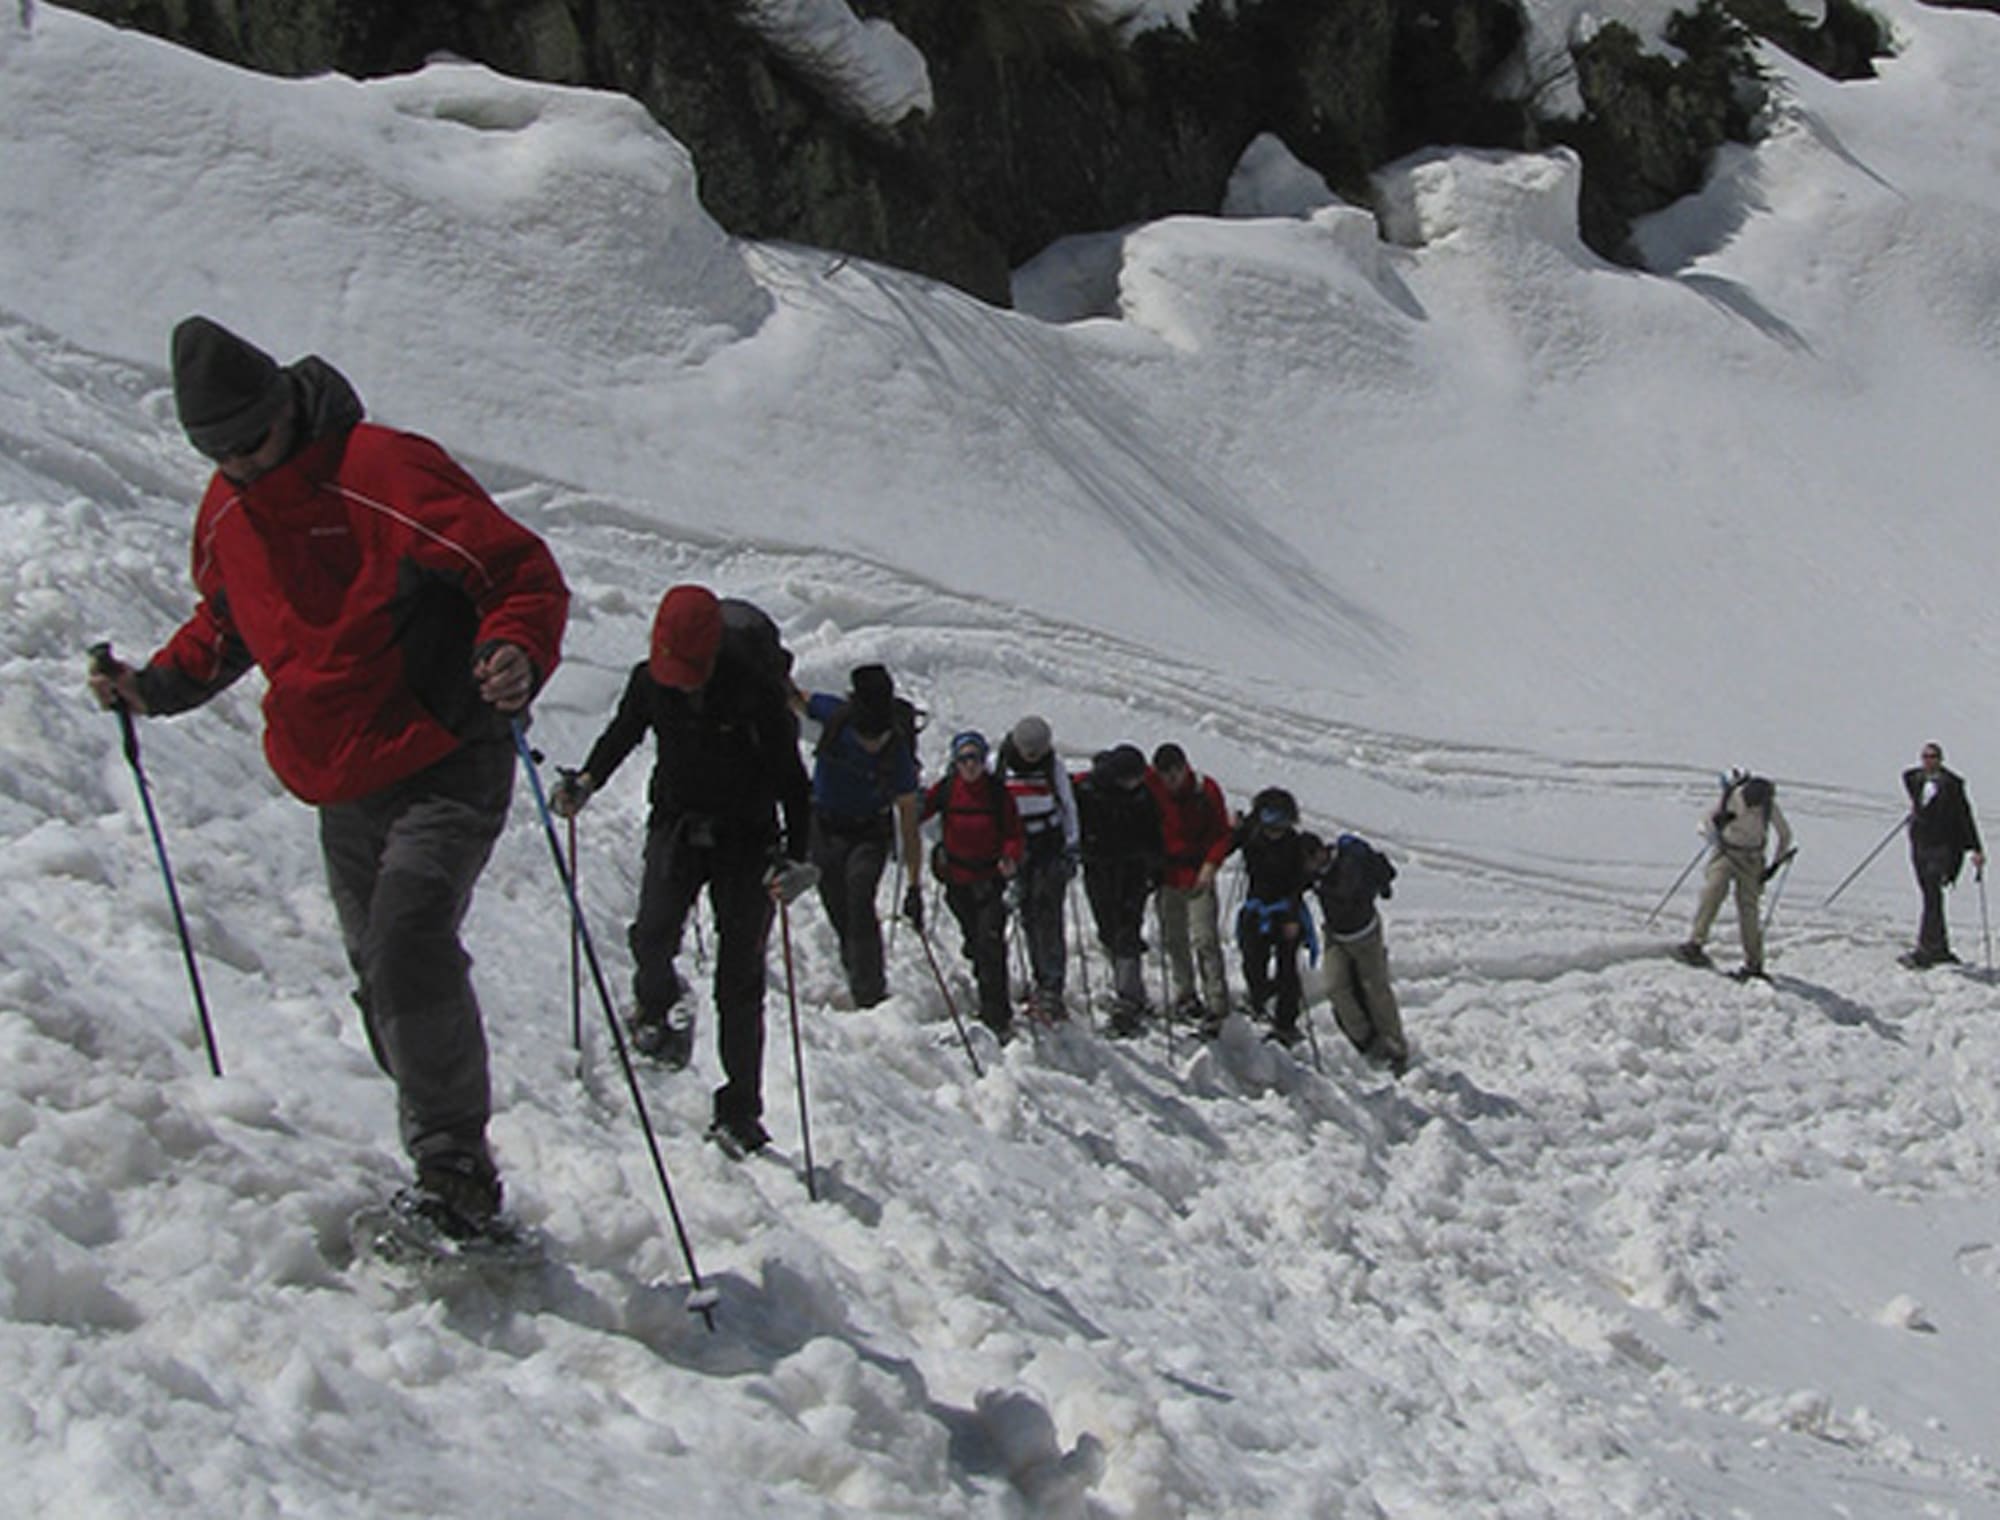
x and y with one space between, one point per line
402 864
1364 1004
1192 933
1746 872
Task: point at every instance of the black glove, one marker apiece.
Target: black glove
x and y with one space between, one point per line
913 907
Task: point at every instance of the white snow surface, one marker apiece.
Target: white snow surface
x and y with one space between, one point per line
1486 549
866 69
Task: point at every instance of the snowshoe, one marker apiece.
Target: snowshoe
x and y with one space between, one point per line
448 1224
662 1040
1287 1035
1749 974
737 1138
1128 1021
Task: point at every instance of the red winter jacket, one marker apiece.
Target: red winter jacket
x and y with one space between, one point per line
981 828
362 575
1196 825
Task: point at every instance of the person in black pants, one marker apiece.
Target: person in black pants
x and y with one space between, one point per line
1123 856
716 694
1942 834
1279 862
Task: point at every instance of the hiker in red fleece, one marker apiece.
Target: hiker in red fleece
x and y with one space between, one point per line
400 619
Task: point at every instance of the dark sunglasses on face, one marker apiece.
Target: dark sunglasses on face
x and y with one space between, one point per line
248 447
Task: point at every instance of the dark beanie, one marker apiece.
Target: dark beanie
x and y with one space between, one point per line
228 392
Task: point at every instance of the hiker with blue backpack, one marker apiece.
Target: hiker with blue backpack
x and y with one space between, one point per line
864 789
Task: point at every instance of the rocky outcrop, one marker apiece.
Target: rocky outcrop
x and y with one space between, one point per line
1044 121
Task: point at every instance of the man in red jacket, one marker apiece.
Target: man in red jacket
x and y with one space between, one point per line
399 618
1196 824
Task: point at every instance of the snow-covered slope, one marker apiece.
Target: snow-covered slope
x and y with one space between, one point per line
1483 547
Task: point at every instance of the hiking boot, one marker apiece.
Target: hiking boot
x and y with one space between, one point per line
456 1192
1285 1033
1397 1061
1693 954
1749 974
739 1137
660 1039
1128 1021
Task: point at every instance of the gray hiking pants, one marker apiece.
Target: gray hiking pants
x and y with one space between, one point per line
1192 933
1746 871
401 865
1364 1004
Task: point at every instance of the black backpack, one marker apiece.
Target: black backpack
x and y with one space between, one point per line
908 721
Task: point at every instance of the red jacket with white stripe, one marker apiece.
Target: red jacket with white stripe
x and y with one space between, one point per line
361 576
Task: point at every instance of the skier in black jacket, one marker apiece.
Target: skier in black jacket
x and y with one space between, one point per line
716 694
1942 834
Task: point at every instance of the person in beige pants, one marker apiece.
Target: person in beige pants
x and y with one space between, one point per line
1738 830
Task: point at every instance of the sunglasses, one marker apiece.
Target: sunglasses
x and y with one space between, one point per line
246 448
970 757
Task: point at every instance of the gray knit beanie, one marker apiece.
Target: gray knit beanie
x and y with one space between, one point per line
1032 738
228 392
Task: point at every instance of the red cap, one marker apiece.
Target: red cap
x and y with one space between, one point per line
687 631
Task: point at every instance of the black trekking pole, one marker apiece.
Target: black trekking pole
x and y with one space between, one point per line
1686 872
798 1049
950 1005
575 946
704 1298
103 662
1166 988
1848 879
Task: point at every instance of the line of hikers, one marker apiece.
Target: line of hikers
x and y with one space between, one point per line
729 797
403 624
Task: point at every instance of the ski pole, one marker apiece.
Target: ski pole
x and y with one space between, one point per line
950 1005
575 953
1166 989
1848 879
1686 872
1312 1039
1782 867
798 1049
1985 926
704 1299
103 662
